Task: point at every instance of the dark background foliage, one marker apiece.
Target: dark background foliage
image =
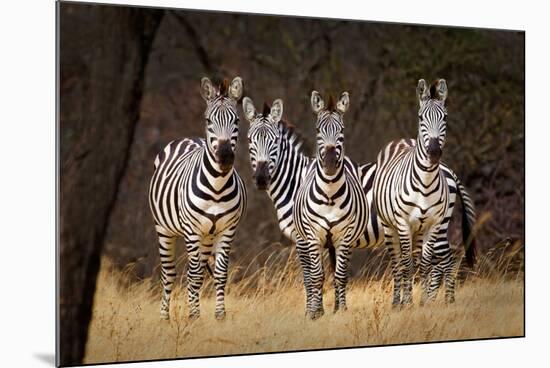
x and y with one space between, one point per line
283 57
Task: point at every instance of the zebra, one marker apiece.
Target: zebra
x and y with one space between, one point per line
196 194
414 195
330 208
279 163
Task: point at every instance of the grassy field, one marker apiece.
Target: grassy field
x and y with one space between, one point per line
265 312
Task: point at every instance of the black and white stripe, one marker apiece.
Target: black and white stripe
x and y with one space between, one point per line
414 198
279 165
330 208
196 194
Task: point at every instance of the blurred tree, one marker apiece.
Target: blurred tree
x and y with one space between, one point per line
102 71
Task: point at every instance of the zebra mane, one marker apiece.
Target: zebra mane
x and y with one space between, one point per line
288 130
432 91
331 106
224 87
266 110
295 138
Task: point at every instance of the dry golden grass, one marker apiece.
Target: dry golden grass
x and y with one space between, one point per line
265 313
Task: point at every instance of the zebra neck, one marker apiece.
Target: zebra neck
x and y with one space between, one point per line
424 171
329 185
212 172
288 171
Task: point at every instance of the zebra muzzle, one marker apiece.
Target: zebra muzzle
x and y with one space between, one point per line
225 155
434 150
330 161
261 175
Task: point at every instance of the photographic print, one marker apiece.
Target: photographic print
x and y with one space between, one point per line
235 183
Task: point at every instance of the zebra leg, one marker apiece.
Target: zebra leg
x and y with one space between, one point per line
336 294
341 277
195 277
447 267
406 263
395 254
450 282
168 269
426 264
303 257
220 277
435 281
317 278
425 268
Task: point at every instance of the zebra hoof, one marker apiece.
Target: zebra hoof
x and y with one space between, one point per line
340 309
315 315
220 316
405 306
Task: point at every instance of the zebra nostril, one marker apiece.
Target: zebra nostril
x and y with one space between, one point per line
225 154
434 150
262 176
330 160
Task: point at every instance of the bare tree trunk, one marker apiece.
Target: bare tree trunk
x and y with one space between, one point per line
103 53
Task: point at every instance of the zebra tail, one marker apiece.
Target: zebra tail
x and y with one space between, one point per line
209 269
468 222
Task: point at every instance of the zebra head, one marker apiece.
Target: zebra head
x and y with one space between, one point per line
263 139
222 120
432 116
330 131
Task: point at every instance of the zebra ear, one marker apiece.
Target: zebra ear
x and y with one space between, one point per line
277 110
441 90
249 109
317 103
207 90
343 103
422 91
236 88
